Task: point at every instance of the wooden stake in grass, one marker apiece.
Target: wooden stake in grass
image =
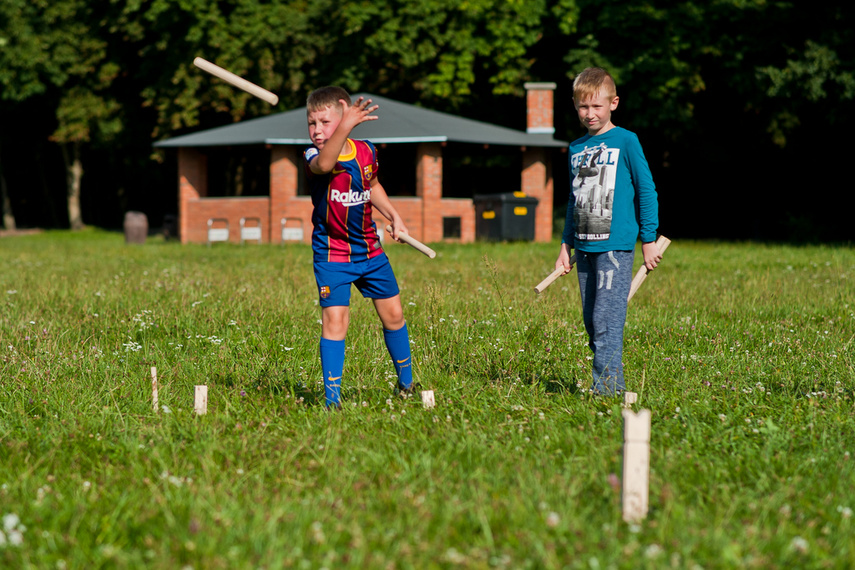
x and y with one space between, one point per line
629 398
154 388
201 403
428 400
636 464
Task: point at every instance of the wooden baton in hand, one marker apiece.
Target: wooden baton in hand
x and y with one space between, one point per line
553 276
662 243
414 243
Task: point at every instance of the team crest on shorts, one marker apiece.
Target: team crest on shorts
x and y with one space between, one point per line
325 291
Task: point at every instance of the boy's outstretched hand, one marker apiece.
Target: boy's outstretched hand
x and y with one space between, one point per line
357 113
652 255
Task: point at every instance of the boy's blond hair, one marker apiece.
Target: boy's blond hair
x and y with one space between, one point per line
592 82
324 97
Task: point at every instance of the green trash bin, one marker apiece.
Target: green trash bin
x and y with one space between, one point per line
507 216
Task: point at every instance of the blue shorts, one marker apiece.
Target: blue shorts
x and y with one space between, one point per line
373 277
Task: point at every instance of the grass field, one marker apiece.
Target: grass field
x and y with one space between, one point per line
743 353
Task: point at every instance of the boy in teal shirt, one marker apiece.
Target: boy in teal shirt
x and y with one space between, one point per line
612 203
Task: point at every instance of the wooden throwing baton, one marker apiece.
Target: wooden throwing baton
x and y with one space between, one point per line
236 80
411 241
662 243
553 276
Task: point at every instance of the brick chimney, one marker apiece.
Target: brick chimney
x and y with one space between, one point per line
539 108
537 169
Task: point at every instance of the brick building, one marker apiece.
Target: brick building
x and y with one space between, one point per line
285 214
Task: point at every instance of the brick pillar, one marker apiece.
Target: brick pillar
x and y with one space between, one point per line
192 185
537 168
429 189
537 183
283 187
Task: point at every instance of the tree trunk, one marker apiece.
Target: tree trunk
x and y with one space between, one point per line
74 174
8 216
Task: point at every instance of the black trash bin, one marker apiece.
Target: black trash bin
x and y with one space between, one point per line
504 217
170 226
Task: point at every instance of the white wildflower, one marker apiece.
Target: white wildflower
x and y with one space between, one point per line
799 544
10 521
16 538
454 557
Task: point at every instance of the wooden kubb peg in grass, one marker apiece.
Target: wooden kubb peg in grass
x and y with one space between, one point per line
154 388
428 400
629 398
201 402
636 465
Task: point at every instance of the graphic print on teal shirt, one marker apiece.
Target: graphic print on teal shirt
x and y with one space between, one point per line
594 175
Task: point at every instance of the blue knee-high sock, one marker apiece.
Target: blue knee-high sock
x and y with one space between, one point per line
332 363
398 343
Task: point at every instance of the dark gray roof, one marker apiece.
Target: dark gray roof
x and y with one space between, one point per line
398 123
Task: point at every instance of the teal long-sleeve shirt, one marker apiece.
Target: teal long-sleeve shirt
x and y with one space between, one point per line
613 199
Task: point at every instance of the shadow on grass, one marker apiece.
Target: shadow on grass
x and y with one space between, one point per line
271 382
309 397
561 386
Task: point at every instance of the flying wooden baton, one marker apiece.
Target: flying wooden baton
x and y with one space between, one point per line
553 276
662 243
236 80
414 243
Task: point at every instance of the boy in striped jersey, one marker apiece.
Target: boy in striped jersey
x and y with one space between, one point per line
342 176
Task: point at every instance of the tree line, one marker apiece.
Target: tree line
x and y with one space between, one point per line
738 102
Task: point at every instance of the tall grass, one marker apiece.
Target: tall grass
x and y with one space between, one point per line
743 352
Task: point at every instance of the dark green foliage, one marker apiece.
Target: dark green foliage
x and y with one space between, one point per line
111 77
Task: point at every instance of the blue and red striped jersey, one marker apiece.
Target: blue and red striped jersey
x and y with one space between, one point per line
343 228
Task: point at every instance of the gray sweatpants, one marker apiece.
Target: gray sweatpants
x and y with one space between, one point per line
604 281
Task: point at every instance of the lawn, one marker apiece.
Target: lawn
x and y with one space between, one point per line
742 351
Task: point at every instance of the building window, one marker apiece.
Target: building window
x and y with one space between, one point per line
238 171
451 227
